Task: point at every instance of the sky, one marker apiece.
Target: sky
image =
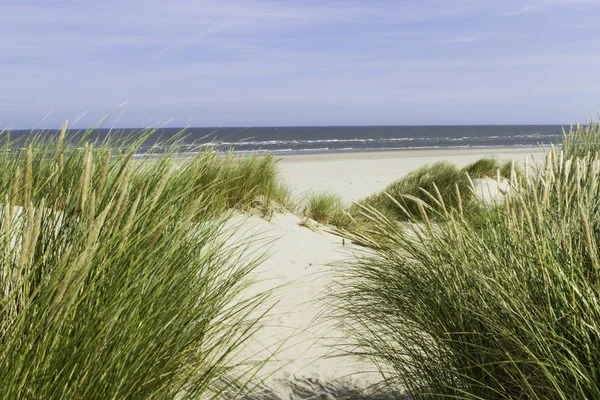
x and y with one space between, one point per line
298 62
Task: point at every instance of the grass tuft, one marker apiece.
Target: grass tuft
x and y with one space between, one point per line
234 181
426 191
582 140
483 168
324 207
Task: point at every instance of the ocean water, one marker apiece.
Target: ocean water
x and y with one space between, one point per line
307 139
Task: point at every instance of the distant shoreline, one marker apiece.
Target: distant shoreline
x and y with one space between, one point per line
410 153
293 141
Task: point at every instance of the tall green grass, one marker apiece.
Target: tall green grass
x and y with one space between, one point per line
326 208
397 201
508 309
582 140
483 168
235 181
118 278
429 190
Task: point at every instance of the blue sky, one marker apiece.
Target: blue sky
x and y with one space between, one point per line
254 63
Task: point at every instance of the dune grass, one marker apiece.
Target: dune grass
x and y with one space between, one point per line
117 277
582 140
489 167
506 310
235 181
326 208
397 201
511 170
429 190
483 168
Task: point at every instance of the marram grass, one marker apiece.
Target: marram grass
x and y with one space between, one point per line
486 167
397 200
326 208
117 276
429 191
506 309
582 140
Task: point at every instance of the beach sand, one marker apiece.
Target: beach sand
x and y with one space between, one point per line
356 175
301 260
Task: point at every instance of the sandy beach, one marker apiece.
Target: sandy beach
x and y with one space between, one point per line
356 175
301 259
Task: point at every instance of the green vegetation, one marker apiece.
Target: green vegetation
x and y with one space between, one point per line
417 193
510 168
325 208
492 168
507 309
118 278
582 140
428 191
234 181
483 168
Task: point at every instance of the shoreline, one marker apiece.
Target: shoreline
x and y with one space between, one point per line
410 153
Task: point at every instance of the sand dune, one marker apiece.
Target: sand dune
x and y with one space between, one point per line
301 260
356 175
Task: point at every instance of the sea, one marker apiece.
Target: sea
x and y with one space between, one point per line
338 139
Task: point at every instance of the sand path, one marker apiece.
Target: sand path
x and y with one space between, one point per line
300 260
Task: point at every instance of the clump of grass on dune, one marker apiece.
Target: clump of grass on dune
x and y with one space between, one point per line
117 277
506 309
483 168
235 181
325 208
582 140
397 201
492 168
427 191
511 170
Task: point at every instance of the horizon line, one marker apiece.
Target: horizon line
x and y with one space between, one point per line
244 127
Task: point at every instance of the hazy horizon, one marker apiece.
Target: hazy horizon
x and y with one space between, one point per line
289 63
242 127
